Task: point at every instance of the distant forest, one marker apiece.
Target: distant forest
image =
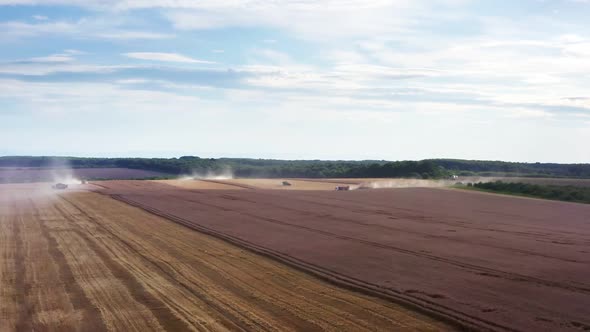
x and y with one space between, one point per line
240 167
560 193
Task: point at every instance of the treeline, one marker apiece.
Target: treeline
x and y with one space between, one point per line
319 169
503 168
167 165
561 193
242 167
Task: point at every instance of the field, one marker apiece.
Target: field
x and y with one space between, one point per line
33 174
275 184
303 184
80 261
256 255
490 261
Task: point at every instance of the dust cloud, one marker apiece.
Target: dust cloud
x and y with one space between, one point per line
417 183
62 172
225 173
15 188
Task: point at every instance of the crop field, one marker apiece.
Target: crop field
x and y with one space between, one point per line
490 262
303 184
275 184
77 260
35 174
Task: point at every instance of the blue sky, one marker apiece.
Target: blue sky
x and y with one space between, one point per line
348 79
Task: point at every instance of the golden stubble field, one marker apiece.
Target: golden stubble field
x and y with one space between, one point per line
81 261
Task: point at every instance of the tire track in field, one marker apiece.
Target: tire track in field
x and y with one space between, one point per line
123 271
428 220
411 214
388 227
9 305
299 299
119 310
480 269
51 305
308 286
229 183
230 317
239 279
24 320
414 216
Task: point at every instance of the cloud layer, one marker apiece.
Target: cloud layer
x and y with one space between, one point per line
442 73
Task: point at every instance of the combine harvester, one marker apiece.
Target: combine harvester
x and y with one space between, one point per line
60 186
342 188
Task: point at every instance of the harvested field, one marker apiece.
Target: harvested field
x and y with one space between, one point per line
199 184
81 261
296 184
233 184
489 261
28 174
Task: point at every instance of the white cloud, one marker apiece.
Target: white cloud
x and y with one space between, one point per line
40 17
210 4
95 27
41 68
133 35
54 58
166 57
15 29
73 51
269 56
308 19
578 49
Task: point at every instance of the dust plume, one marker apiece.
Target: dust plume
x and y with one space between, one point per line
225 173
25 183
62 172
418 183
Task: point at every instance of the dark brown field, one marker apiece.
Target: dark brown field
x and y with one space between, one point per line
27 174
488 261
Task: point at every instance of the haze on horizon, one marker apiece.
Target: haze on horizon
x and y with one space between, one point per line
376 79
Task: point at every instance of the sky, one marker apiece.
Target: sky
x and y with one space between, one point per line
335 79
